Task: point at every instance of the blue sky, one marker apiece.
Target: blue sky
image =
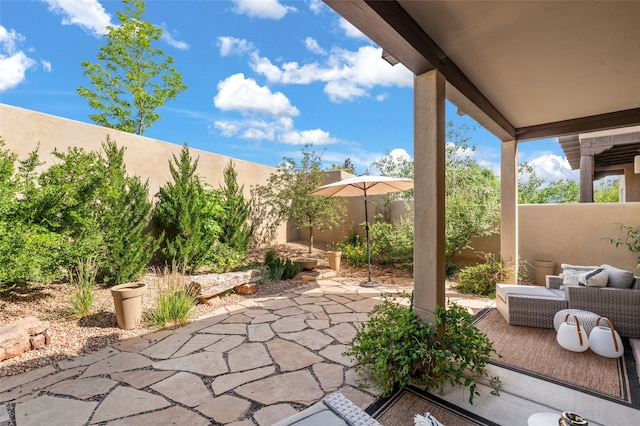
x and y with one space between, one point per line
264 77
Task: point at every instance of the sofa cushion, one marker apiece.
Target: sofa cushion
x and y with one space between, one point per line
571 274
618 278
595 278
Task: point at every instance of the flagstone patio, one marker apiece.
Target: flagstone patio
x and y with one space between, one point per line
257 362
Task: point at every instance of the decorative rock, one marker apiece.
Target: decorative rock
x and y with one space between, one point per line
22 335
210 285
246 288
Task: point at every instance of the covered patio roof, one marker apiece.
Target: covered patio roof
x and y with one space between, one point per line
524 70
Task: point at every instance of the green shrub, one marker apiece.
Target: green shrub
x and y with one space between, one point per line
392 244
83 278
354 251
400 348
235 229
174 305
481 279
280 269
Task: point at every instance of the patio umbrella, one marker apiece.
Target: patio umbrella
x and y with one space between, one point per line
363 186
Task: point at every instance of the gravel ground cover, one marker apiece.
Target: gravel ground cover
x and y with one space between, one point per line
71 336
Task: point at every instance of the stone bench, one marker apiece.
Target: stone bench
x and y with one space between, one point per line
206 286
22 335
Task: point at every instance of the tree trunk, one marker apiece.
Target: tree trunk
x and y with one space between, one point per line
310 239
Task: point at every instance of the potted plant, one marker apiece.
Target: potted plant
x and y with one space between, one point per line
333 256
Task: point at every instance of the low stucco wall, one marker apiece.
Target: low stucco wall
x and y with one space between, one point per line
577 233
148 158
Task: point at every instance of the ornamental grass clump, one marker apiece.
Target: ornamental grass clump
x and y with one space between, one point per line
400 348
174 305
83 278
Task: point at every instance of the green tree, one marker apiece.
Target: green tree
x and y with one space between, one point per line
184 213
288 195
236 229
124 214
533 190
607 192
131 79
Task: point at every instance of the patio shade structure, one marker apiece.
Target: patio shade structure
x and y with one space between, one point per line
362 186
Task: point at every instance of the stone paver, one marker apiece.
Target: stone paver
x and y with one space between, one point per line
247 357
290 356
175 415
225 408
204 363
124 361
226 382
167 347
330 376
83 388
298 387
312 339
47 410
185 388
257 362
141 378
124 401
259 332
273 413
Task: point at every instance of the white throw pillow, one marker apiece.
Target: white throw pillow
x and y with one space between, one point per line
595 278
571 274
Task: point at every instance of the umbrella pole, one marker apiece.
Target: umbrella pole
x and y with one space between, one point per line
366 228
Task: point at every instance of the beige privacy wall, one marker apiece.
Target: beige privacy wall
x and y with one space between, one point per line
23 129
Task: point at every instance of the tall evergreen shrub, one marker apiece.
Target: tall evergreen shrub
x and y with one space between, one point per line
182 215
124 214
235 228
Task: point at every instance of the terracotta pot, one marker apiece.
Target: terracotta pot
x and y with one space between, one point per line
334 259
127 299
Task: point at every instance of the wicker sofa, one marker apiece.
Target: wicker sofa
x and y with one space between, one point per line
535 306
621 306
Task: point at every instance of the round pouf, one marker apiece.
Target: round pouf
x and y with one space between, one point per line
587 319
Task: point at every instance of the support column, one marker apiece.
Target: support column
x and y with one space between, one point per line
509 207
429 188
587 166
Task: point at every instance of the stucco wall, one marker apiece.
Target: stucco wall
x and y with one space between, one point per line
23 129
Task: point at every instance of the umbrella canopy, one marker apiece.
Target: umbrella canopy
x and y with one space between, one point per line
363 186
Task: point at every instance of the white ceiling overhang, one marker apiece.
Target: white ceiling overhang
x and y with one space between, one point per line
522 69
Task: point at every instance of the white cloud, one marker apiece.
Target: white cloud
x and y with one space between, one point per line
267 9
351 31
315 136
231 45
46 65
316 6
242 94
312 46
168 38
552 167
14 63
88 14
347 74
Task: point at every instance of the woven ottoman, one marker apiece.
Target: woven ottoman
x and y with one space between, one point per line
587 319
529 305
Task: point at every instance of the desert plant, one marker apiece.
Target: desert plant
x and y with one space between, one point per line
631 241
83 278
400 348
174 305
482 278
279 269
392 244
236 229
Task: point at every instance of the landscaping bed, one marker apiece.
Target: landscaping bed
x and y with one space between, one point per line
71 336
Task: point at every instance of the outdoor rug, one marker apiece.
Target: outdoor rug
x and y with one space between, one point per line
535 352
400 408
